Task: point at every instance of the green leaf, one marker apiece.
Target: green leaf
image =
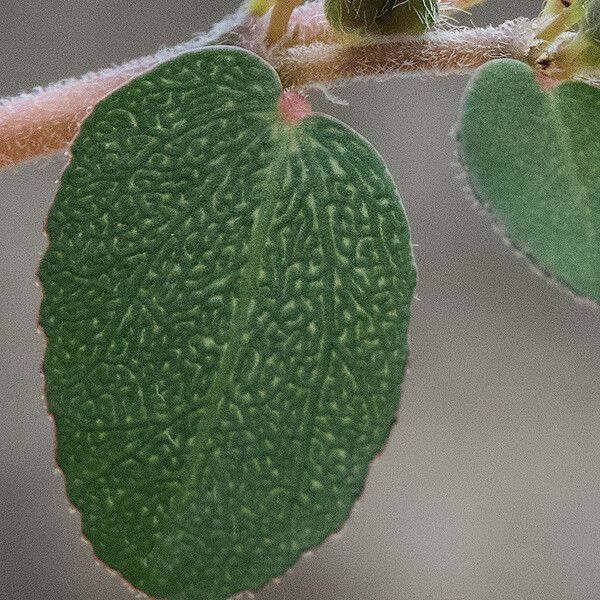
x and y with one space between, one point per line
533 158
226 301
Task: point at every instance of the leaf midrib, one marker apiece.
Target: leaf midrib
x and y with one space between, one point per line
248 290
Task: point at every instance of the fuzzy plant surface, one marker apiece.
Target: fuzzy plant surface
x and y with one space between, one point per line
533 159
227 293
229 277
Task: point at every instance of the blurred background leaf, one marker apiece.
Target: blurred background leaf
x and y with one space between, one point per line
533 159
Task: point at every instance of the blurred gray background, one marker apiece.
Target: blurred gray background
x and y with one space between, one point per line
490 485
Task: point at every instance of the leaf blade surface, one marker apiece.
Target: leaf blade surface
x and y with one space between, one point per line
532 158
226 304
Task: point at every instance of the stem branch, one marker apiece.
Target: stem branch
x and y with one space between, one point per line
47 120
437 53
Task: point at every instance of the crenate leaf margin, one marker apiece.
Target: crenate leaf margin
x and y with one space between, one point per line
242 509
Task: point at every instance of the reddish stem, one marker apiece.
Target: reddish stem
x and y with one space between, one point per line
46 121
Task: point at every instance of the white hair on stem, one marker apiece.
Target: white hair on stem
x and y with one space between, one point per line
46 120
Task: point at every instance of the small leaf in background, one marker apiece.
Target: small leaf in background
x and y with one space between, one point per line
533 159
226 300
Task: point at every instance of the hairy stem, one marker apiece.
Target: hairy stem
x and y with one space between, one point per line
47 120
280 18
435 53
